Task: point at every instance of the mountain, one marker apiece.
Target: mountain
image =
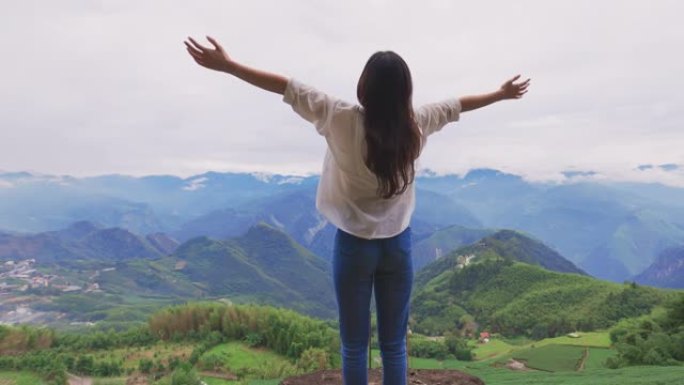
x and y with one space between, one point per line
162 242
488 283
83 242
485 193
612 230
633 244
440 210
294 212
441 242
503 245
264 265
667 271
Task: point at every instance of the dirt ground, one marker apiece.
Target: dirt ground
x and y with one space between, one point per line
416 377
76 380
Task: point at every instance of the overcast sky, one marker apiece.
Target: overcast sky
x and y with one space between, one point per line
98 87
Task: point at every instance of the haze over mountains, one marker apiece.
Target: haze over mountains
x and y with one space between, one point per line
613 231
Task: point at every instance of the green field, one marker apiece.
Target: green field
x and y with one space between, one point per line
555 360
110 381
493 348
596 358
551 358
642 375
505 346
19 378
600 339
216 381
239 359
162 351
423 363
593 374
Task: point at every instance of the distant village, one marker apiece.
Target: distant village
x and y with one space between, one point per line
22 275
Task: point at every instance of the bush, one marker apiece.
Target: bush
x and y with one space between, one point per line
254 339
145 365
650 340
313 359
423 348
183 376
284 331
458 347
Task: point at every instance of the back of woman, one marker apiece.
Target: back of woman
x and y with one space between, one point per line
367 190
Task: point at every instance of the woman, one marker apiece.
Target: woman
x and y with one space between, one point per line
366 190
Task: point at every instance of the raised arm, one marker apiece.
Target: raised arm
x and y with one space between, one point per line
217 59
509 90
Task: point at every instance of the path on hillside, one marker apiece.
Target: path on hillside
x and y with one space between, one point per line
584 359
76 380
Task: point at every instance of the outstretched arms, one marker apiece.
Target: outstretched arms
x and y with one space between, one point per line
217 59
509 90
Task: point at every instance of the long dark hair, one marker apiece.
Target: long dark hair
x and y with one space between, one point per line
392 136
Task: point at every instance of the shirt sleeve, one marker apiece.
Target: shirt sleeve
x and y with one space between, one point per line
311 104
432 117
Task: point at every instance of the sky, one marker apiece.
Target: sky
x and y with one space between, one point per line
102 87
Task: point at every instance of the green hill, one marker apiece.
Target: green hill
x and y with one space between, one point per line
504 244
494 282
263 266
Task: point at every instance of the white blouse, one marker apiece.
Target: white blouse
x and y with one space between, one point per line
347 191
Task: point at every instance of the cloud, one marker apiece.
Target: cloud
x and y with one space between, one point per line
669 167
575 174
102 87
195 184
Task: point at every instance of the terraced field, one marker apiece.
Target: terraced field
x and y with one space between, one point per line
19 378
551 358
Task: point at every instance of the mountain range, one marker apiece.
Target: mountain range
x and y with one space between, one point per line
612 231
504 279
84 242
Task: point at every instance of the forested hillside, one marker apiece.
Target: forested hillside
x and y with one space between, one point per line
505 284
263 266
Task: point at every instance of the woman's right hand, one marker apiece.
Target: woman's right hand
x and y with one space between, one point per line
215 59
511 90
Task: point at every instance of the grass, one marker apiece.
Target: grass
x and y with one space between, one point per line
110 381
643 375
424 363
516 341
493 348
216 381
597 357
594 339
551 358
162 351
235 356
505 346
19 378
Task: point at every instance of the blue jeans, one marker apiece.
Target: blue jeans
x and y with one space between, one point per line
358 265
